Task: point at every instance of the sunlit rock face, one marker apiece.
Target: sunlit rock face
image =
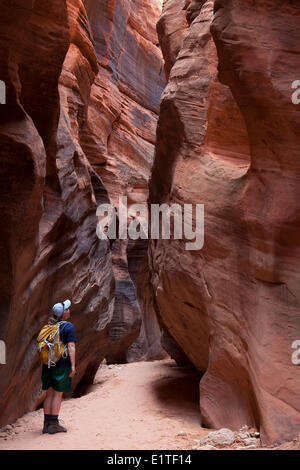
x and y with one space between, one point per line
118 140
228 138
61 100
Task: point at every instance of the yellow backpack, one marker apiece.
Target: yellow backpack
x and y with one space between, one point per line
50 346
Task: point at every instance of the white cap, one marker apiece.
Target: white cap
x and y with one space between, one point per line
59 308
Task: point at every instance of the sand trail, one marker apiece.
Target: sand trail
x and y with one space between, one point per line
142 405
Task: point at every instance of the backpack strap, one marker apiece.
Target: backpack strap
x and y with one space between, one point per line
62 324
59 323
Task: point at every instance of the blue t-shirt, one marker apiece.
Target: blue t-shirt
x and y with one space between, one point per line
67 335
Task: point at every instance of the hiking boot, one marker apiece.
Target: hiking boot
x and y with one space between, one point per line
45 428
54 427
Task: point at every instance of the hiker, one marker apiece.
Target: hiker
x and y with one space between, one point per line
57 377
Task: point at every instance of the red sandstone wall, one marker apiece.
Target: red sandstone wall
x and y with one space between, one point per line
119 142
231 142
63 99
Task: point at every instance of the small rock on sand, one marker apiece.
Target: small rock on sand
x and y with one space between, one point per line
243 435
250 441
222 437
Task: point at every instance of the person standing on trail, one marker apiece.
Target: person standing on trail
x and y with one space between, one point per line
57 377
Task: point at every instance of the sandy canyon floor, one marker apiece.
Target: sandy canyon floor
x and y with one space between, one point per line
136 406
142 405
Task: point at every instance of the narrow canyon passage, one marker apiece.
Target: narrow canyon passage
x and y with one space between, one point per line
179 121
141 405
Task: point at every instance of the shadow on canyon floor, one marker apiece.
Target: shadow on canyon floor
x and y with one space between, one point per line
178 391
83 388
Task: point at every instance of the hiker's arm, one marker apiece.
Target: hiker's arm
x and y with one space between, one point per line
71 350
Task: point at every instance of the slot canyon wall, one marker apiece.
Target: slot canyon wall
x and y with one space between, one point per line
228 138
78 130
119 141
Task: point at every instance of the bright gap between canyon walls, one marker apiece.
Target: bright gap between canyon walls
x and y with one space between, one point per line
98 107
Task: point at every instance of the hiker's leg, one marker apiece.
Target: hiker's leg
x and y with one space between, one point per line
56 402
54 425
47 409
48 401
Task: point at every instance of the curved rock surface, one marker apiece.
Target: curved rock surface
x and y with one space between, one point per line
71 86
118 140
230 142
49 247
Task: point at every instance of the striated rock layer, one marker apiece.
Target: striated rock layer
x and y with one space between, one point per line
229 141
49 248
53 123
118 140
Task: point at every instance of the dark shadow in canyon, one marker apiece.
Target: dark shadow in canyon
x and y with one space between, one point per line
178 391
84 388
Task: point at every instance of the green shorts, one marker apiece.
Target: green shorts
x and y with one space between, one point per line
57 378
